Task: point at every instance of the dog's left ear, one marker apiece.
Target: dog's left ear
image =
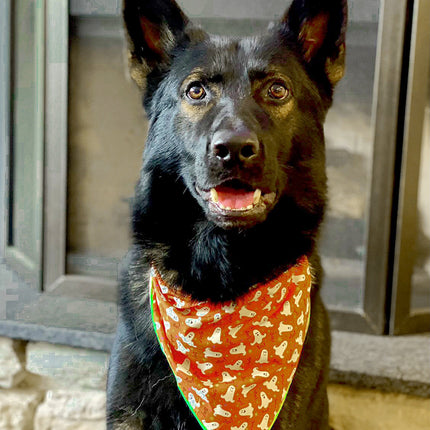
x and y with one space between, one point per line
318 28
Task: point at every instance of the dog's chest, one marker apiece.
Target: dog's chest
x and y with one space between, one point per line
235 361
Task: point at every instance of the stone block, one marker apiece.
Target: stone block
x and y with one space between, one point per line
67 410
67 367
11 368
17 409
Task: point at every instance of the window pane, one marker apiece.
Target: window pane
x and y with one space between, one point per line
27 121
106 136
349 141
421 273
107 132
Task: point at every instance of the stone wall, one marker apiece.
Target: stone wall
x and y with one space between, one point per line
52 387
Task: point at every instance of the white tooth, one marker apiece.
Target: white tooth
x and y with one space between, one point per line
269 198
249 207
214 195
228 208
257 196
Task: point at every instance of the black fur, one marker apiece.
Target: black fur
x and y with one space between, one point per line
210 255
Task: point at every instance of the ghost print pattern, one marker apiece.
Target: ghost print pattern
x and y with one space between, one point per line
234 362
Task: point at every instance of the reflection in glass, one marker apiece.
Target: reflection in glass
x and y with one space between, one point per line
421 273
107 131
349 142
26 149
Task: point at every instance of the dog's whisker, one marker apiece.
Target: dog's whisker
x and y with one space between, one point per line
138 407
160 380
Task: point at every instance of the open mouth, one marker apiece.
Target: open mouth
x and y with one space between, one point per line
231 199
233 203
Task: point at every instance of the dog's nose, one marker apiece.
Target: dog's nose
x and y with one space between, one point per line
236 146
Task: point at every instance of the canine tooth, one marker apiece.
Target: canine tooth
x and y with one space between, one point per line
214 195
269 198
257 196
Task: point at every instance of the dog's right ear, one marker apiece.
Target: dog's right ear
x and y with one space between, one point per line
318 28
154 28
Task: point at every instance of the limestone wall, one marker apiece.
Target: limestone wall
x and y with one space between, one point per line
51 387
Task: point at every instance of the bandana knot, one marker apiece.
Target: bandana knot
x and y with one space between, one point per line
234 362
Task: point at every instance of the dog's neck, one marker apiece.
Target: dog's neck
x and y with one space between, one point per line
211 263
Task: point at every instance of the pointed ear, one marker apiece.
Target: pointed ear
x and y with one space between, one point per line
318 29
154 28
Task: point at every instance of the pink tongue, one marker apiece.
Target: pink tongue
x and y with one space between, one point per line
233 198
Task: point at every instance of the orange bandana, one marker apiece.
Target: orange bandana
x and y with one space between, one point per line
234 362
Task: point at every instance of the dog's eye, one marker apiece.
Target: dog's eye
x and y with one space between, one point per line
278 91
196 92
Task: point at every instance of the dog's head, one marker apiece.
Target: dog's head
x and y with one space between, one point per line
239 121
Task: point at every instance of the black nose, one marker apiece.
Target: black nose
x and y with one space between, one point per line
233 147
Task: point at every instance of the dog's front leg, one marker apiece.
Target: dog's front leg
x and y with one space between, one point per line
142 392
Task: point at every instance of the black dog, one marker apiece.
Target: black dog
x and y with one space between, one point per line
234 122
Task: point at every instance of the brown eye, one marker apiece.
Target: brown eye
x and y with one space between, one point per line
278 92
196 92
